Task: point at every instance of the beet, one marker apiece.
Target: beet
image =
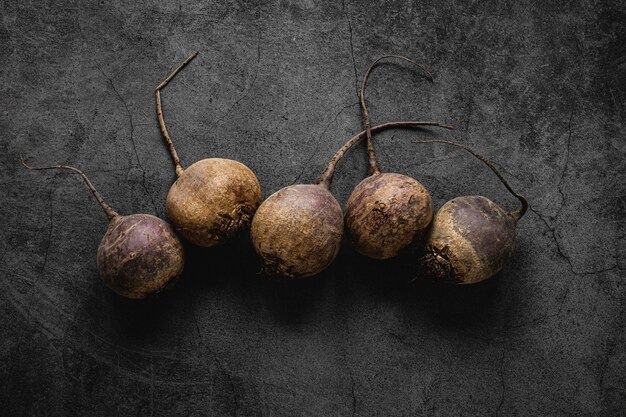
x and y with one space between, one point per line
139 255
471 237
297 231
213 200
386 212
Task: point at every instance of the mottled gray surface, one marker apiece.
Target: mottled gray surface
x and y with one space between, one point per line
537 87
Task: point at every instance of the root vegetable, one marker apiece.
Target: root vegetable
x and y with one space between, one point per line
139 255
386 212
471 237
213 200
297 231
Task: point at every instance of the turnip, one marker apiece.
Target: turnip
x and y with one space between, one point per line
297 230
213 200
139 254
471 237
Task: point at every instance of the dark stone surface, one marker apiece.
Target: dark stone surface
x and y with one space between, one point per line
539 88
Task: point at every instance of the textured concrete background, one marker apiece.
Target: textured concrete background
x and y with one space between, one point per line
539 88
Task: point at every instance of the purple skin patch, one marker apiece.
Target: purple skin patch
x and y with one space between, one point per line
139 255
386 213
489 229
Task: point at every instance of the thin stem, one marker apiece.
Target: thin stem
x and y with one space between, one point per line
375 168
517 214
159 111
107 209
326 177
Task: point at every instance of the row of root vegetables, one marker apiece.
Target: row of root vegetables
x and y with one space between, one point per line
297 231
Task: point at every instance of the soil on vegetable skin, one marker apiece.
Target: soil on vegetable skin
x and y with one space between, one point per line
386 213
297 231
140 255
470 240
213 201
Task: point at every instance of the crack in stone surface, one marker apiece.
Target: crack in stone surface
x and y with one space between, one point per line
559 185
132 138
352 387
502 382
564 256
550 227
356 75
400 339
31 297
246 93
319 139
45 258
195 322
562 253
470 110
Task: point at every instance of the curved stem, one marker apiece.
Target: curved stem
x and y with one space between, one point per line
326 177
159 111
375 169
107 209
517 214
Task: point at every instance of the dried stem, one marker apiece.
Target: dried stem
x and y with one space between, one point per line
375 169
107 209
517 214
326 177
159 111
